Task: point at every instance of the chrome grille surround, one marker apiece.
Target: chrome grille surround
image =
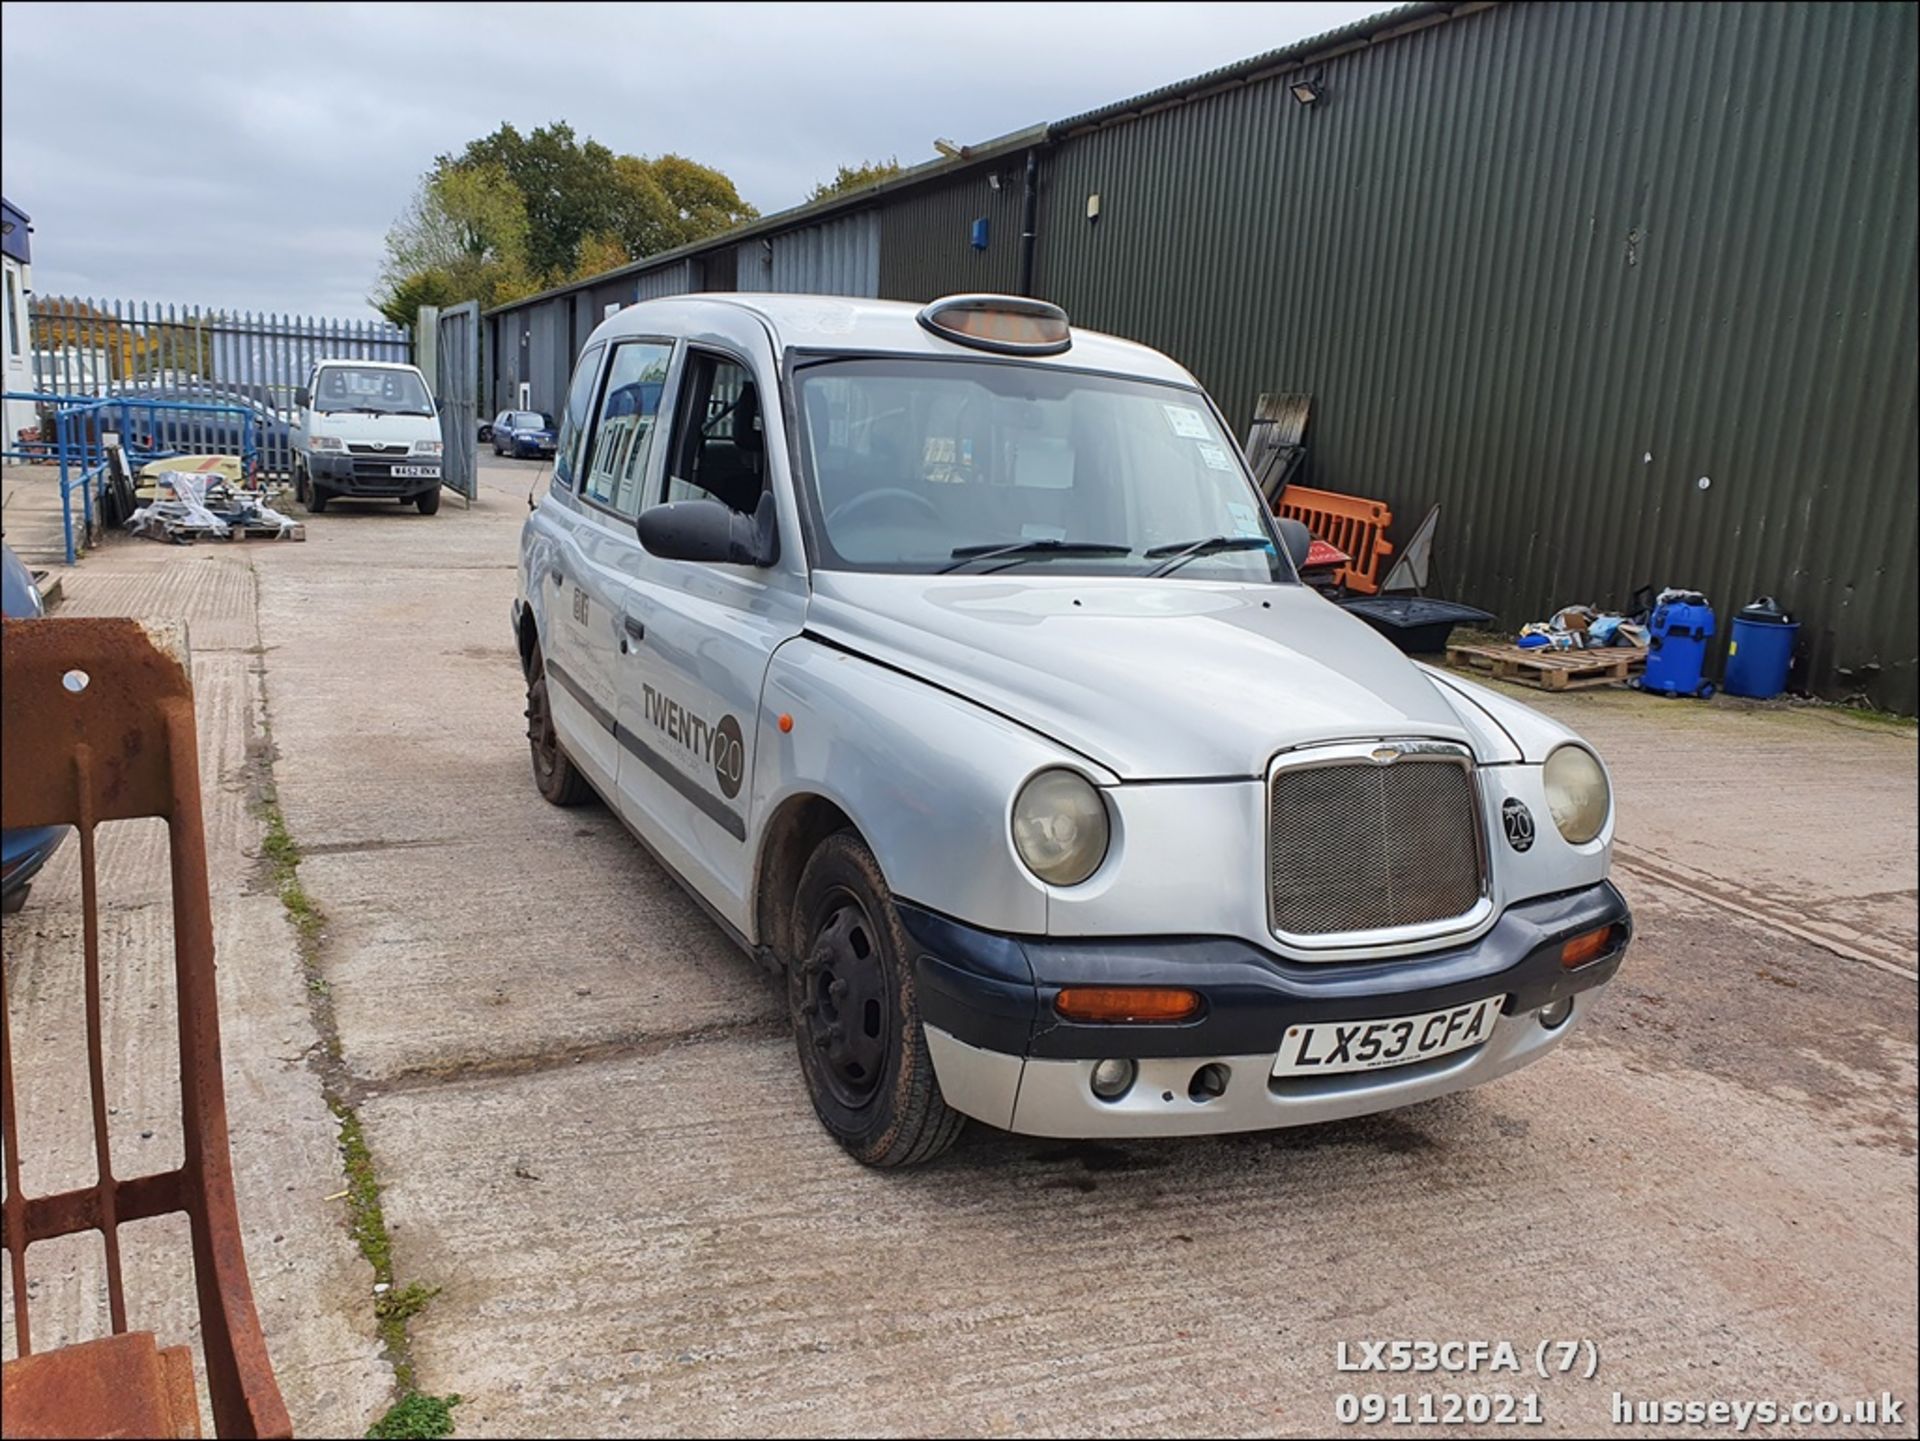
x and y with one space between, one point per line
1375 843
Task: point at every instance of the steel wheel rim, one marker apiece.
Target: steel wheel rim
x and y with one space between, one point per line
540 729
845 1008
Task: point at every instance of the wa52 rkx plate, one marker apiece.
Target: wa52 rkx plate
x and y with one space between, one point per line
416 472
1326 1048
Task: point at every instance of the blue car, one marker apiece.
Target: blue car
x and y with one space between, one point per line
523 432
22 852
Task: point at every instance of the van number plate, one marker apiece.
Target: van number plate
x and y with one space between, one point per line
415 472
1325 1048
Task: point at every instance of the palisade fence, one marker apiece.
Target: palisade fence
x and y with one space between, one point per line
90 348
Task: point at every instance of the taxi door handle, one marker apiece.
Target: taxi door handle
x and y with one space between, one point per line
557 576
634 629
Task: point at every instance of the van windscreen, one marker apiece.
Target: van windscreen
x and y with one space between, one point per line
370 390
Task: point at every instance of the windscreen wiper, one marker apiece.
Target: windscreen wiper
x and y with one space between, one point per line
991 550
1179 553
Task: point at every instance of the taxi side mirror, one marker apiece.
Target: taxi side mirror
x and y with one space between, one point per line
1297 539
706 530
301 398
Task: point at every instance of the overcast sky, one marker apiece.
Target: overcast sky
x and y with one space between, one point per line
252 156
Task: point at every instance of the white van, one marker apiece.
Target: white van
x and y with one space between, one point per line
367 429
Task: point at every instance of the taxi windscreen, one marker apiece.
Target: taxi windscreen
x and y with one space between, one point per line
933 466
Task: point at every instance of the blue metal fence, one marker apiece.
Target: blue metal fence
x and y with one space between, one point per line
148 429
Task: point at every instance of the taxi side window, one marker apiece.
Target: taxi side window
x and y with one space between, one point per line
719 450
566 456
623 434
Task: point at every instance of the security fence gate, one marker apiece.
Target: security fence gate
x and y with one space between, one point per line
230 358
456 391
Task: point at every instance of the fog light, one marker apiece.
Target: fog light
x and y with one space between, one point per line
1208 1083
1554 1015
1113 1079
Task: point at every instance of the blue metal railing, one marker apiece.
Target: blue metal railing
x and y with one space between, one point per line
81 423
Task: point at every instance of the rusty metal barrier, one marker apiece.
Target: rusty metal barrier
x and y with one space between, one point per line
97 724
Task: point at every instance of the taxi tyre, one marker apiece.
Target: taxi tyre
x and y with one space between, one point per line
553 774
856 1020
428 501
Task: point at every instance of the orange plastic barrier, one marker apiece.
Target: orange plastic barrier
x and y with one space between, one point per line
1350 523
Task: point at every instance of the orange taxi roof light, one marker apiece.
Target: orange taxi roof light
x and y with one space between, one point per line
1005 324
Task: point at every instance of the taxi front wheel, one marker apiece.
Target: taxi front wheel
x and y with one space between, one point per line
856 1022
553 773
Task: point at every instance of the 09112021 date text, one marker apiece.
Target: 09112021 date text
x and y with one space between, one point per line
1438 1408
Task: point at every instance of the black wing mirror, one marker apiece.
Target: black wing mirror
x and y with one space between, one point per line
706 530
1298 541
301 398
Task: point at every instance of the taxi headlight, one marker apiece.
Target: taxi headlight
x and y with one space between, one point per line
1577 793
1060 827
427 447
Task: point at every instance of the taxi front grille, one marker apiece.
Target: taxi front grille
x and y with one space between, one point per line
1356 845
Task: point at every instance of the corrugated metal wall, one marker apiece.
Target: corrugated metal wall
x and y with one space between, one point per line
925 246
1554 266
673 279
837 257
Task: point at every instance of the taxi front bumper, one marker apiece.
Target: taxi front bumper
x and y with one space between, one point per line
1003 1055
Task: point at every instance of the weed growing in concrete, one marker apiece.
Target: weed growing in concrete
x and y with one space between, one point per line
416 1416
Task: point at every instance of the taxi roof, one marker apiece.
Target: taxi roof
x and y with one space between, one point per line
844 323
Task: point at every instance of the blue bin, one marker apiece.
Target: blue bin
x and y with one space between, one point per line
1761 651
1682 625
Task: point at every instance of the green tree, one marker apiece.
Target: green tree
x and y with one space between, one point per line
562 181
856 177
511 213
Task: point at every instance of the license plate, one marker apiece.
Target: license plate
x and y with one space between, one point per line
1326 1048
415 472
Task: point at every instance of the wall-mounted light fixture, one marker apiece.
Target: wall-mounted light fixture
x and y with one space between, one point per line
952 151
1307 89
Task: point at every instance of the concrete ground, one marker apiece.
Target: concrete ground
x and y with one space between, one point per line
30 515
584 1108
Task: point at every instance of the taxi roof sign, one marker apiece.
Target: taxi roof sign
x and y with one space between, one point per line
1005 324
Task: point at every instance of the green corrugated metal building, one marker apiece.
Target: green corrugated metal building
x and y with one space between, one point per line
1628 289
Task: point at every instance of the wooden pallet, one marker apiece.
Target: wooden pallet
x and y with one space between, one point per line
1550 669
296 531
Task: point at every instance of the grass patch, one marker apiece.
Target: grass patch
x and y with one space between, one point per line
402 1305
282 857
365 1219
416 1415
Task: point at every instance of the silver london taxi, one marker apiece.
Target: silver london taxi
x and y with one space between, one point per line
950 659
